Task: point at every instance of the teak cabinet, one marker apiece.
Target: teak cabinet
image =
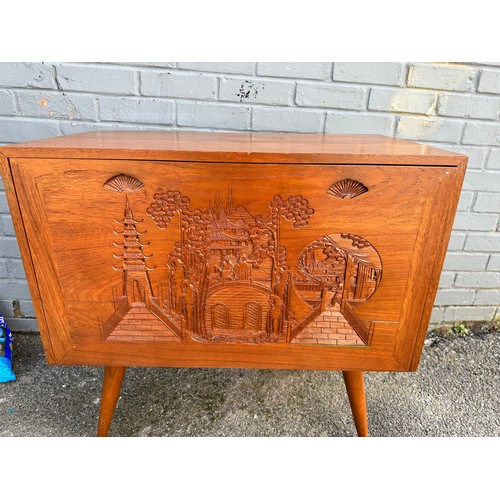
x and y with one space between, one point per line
184 249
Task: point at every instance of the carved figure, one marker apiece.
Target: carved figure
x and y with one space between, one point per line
337 296
275 316
188 304
226 268
244 269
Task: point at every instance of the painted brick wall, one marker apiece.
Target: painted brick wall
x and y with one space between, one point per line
453 106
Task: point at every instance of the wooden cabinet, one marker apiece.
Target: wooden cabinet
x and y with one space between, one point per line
232 250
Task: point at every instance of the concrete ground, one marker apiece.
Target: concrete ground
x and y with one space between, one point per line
454 393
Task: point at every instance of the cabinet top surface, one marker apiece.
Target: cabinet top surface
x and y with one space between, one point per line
235 147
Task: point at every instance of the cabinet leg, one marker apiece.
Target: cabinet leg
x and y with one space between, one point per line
111 385
355 385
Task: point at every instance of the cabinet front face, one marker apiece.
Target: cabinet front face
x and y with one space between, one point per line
206 264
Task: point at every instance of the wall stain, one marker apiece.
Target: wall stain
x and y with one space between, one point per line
248 90
16 307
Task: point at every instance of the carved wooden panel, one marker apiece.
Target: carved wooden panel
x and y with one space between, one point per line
228 279
211 264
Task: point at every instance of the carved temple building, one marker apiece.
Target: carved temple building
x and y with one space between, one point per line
137 315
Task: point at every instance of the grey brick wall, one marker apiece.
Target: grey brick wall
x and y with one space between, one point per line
453 106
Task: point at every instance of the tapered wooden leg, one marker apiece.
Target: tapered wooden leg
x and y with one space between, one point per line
355 385
111 385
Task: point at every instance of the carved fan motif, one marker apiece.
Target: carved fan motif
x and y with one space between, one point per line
123 183
347 188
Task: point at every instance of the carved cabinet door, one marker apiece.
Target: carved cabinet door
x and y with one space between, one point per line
210 264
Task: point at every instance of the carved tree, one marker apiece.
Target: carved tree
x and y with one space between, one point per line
193 224
295 208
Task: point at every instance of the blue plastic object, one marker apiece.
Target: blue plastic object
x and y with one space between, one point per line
6 341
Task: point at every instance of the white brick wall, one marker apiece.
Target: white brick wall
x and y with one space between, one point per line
141 110
469 106
452 106
216 116
359 123
314 71
380 73
402 101
433 129
489 82
189 86
494 160
95 78
484 134
287 120
442 76
326 95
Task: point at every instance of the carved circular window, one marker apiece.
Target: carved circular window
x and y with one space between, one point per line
346 266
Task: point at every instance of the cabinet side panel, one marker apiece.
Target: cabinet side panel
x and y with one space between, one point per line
43 269
10 190
429 255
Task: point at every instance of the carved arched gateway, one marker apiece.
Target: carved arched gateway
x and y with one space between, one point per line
219 316
252 316
247 306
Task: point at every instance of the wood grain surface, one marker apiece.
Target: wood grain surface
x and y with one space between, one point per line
355 386
111 386
298 189
251 147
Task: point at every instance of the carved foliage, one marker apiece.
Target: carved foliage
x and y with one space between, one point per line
357 241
